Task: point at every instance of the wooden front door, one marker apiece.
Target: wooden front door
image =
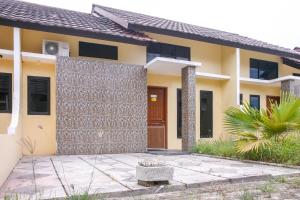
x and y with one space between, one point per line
271 100
157 117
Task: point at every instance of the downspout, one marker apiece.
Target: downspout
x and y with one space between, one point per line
17 77
238 74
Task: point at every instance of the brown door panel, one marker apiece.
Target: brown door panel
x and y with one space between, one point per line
157 114
156 136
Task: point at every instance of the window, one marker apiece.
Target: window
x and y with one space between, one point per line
5 92
296 74
206 114
179 114
241 99
255 101
260 69
167 50
98 50
38 95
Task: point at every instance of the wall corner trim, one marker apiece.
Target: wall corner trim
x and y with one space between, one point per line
16 82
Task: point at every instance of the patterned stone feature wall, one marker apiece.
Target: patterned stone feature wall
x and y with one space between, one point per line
188 108
101 107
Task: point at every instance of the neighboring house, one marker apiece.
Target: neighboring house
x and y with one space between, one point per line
125 82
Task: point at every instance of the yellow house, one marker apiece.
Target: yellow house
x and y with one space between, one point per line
113 81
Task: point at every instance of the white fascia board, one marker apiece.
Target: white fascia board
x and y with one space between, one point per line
27 56
168 66
272 81
172 60
36 57
8 54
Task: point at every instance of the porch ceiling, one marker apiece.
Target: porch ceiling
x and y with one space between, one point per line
168 66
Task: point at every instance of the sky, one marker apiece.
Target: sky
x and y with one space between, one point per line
273 21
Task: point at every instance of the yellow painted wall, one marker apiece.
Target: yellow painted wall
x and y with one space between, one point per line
210 55
5 66
6 37
261 90
283 70
214 58
286 70
174 82
229 66
41 129
44 138
130 54
9 155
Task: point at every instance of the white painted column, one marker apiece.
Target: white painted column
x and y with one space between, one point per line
238 74
17 77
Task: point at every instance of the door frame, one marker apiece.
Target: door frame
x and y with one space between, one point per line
165 114
271 96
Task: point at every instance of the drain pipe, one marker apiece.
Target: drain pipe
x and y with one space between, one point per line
17 77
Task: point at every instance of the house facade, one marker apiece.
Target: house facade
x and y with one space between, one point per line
114 81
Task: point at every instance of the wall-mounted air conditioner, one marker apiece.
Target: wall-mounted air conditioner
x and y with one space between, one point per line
56 48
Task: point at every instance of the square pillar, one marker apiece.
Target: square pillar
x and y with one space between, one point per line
291 86
188 76
288 86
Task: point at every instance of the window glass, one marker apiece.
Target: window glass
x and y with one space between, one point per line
5 92
260 69
38 95
241 99
98 50
168 51
255 101
179 114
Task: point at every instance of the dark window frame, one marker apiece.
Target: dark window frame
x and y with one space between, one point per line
9 75
156 49
257 64
241 99
296 74
258 96
179 113
211 134
96 52
29 79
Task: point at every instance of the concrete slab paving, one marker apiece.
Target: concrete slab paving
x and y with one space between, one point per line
46 177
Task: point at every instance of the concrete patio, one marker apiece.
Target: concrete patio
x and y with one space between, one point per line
113 175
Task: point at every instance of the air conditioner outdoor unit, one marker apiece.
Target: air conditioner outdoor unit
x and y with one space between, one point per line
56 48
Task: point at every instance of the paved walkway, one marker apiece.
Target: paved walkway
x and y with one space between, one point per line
114 174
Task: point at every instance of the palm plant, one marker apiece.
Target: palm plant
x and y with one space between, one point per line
255 129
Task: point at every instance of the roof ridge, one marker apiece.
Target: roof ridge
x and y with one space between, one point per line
213 29
129 17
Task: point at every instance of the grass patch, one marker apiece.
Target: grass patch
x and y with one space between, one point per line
267 187
285 152
247 195
217 148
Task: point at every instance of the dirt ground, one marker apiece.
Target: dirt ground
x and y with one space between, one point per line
277 188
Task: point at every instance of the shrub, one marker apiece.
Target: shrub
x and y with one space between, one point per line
258 129
285 152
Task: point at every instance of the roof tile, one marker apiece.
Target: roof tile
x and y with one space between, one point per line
206 34
20 11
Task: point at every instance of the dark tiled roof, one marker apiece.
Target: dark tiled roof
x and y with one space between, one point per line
34 16
143 22
293 62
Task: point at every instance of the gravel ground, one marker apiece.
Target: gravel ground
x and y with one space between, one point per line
276 188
